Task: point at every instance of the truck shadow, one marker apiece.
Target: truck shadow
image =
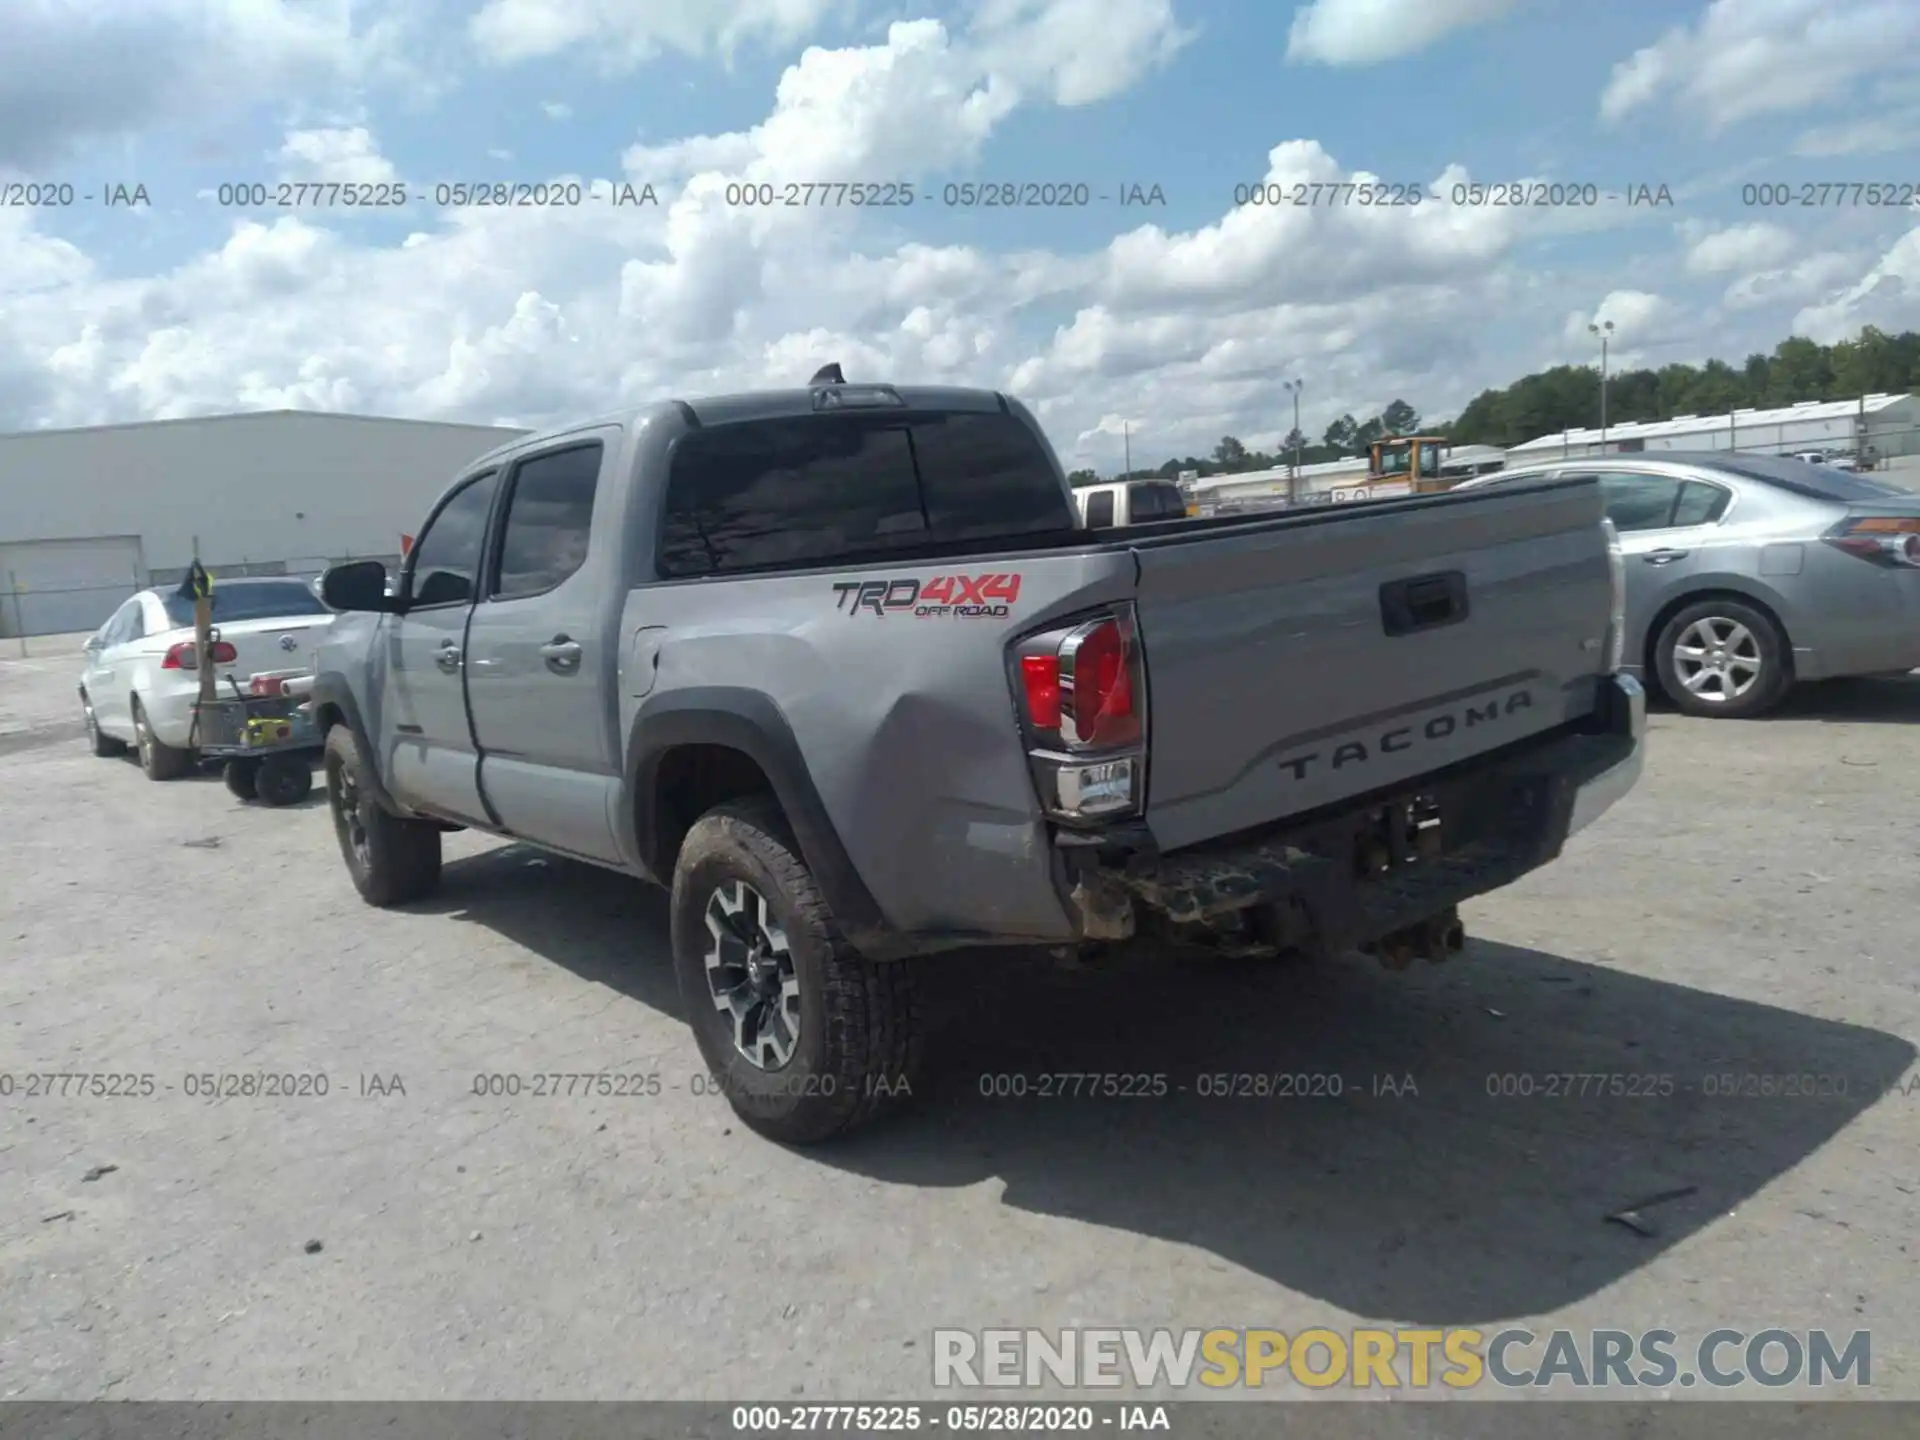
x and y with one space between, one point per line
1413 1179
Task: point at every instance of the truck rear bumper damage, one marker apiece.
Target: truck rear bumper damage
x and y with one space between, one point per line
1383 866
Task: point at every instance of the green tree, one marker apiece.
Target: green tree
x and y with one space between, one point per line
1078 478
1340 436
1400 418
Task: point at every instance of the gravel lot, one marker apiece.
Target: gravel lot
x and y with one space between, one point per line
1752 909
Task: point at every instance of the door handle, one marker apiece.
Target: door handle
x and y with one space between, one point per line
561 654
1663 557
447 657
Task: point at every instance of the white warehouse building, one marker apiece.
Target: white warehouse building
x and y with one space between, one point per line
88 516
1879 427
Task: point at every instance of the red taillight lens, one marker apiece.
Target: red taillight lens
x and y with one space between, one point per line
1883 539
1041 676
1082 688
1103 712
182 657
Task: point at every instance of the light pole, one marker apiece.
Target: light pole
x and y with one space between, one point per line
1605 331
1293 387
1126 447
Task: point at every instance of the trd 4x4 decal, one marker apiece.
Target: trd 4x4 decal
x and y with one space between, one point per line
964 597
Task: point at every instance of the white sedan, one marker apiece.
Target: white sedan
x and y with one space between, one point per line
142 675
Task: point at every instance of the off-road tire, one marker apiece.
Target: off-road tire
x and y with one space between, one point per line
1774 654
101 744
400 859
283 779
861 1047
160 760
240 776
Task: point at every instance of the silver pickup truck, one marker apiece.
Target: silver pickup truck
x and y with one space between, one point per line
838 665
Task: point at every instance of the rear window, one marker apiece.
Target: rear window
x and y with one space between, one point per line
811 490
256 600
1817 482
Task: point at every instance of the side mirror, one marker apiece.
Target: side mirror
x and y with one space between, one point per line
359 585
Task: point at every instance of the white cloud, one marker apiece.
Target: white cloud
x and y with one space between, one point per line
70 74
558 110
1820 275
622 34
1642 323
1748 58
1888 295
1756 246
530 315
1875 135
341 156
1366 32
1078 51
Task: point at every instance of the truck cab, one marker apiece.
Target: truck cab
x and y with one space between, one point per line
1130 502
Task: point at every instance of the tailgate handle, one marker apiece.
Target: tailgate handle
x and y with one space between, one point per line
1423 602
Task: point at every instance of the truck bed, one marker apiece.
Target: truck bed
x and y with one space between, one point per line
1300 660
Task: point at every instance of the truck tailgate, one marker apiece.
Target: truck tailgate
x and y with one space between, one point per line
1292 667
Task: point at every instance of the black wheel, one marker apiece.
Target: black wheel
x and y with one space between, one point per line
241 776
283 779
391 860
806 1039
101 745
1724 659
160 760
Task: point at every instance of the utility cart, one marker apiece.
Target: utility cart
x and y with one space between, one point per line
265 735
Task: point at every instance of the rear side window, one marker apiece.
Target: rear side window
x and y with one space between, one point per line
548 517
810 490
1100 510
1155 501
1701 504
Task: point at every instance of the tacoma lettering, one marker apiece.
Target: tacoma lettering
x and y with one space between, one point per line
1439 727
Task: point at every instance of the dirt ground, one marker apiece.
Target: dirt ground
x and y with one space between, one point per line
1750 911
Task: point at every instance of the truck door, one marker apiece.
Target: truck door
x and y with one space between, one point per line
429 755
541 661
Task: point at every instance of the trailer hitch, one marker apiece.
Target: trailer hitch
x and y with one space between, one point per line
1436 939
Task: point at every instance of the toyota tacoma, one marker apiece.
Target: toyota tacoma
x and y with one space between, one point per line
841 668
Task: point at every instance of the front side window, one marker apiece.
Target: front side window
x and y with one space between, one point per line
446 557
1640 502
1100 510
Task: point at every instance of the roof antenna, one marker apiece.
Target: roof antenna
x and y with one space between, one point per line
827 375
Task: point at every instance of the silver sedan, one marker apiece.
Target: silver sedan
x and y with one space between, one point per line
1746 573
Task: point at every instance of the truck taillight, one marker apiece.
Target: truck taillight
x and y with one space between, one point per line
1882 539
182 657
1082 689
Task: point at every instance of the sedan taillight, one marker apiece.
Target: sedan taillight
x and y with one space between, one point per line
1882 539
182 656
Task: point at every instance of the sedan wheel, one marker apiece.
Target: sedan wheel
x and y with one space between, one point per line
1723 659
1718 659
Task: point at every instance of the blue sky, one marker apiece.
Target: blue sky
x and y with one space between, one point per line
1181 330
